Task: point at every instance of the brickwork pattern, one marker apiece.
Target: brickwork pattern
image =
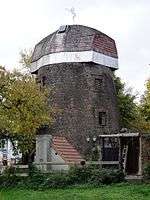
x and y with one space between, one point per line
80 102
82 90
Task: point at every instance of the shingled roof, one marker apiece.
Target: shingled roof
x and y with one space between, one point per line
75 38
76 43
63 148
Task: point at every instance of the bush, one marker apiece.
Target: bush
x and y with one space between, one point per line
9 171
92 175
33 170
80 174
11 181
57 180
106 176
147 172
95 175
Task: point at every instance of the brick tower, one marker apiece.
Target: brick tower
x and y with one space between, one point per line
78 62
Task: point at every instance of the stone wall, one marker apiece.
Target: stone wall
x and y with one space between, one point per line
43 151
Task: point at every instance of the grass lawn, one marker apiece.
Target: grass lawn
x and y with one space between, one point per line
114 192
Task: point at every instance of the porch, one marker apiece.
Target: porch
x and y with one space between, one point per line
123 151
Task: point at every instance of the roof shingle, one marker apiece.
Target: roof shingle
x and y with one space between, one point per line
66 150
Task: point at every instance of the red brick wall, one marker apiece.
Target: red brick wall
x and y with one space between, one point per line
104 44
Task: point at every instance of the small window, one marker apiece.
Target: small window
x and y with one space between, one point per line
62 29
98 83
43 80
102 118
107 143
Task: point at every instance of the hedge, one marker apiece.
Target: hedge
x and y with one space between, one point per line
76 175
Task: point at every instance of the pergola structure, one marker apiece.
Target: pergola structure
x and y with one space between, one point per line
130 151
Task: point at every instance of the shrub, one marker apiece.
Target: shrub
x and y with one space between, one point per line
11 181
33 170
92 175
36 180
95 175
9 171
79 174
57 180
106 176
147 172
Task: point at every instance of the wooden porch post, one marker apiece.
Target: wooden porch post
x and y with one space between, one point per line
140 156
120 156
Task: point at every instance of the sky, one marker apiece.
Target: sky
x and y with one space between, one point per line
23 23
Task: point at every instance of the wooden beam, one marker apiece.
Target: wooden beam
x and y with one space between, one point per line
103 163
121 135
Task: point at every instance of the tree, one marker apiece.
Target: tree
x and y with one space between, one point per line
23 108
143 121
126 103
26 57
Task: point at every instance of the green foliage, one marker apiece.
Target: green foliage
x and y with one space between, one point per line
145 102
23 108
33 170
94 175
134 117
57 180
11 181
9 171
80 174
147 172
106 176
95 153
126 103
144 110
77 175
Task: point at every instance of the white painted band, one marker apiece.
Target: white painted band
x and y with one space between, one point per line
82 56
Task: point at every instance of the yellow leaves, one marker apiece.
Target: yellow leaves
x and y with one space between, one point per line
140 124
24 107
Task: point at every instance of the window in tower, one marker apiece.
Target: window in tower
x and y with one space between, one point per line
102 118
98 84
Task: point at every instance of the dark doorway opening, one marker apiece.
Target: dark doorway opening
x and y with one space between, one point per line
132 164
110 150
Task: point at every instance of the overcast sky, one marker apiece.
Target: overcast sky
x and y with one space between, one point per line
23 23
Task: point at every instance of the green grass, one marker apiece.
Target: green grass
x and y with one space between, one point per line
114 192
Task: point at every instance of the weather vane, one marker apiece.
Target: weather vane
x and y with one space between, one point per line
73 13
